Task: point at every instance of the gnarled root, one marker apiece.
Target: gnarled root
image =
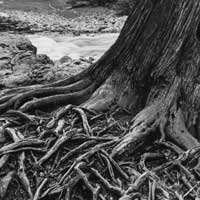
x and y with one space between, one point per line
78 163
51 96
178 132
83 154
4 183
103 98
65 82
144 124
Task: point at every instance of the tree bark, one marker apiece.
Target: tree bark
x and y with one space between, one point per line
157 44
155 63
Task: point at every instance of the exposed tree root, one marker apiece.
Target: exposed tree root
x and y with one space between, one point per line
4 183
144 124
20 99
179 133
78 153
103 98
65 82
39 189
79 164
21 158
54 97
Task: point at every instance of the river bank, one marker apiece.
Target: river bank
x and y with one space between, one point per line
39 48
40 58
102 21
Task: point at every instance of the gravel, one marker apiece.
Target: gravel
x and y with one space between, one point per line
39 22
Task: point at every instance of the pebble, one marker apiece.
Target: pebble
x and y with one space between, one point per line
40 22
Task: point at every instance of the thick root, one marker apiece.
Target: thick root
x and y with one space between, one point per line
81 154
102 99
65 82
178 132
22 98
56 101
4 183
16 101
78 163
144 124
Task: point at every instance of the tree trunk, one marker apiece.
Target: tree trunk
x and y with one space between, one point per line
155 64
152 71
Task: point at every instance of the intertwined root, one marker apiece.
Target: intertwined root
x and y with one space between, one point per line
76 153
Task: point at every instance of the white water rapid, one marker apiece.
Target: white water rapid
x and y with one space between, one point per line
75 47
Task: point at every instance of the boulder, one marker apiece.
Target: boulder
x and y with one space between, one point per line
9 23
65 59
19 62
20 65
78 4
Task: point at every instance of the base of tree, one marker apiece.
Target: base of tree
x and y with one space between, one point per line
77 153
82 153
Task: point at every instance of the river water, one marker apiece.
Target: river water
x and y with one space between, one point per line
57 46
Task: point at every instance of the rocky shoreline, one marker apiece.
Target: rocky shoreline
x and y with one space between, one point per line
20 64
32 22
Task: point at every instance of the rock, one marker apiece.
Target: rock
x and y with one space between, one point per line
44 59
65 59
9 23
2 14
78 4
20 65
77 62
18 62
24 44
